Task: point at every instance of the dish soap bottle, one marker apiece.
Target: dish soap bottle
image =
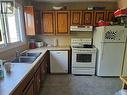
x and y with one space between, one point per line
1 71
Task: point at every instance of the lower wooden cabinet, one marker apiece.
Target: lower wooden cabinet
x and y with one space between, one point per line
29 90
44 67
31 84
37 81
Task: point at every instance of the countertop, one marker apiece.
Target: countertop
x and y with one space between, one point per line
50 48
11 80
124 79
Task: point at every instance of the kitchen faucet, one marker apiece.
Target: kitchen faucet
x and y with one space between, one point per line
17 53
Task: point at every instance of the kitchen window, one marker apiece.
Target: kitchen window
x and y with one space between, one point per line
12 27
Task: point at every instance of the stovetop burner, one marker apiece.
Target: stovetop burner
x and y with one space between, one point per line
87 46
84 46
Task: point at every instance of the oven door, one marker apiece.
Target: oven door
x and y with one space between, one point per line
83 59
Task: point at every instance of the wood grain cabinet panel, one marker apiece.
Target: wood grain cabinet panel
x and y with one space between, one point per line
48 22
62 22
110 16
33 81
38 21
37 81
29 20
29 90
76 17
87 18
99 15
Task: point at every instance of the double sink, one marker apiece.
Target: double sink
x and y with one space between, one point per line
26 57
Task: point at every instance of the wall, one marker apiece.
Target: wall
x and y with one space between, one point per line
75 5
10 53
65 40
122 3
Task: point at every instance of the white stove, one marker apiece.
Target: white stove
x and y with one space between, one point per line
83 56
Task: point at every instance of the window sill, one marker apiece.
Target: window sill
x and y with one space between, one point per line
12 45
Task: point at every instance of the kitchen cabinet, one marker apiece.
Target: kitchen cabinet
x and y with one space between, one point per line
37 81
62 22
87 18
44 67
55 22
110 15
37 21
76 17
82 17
29 20
31 84
29 90
48 22
24 88
59 61
99 15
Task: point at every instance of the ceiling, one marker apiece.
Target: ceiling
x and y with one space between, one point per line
76 0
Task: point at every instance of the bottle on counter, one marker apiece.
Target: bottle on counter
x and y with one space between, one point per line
32 44
1 71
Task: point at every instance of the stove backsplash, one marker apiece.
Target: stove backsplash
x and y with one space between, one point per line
64 40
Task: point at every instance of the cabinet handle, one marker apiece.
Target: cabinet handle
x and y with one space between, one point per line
39 80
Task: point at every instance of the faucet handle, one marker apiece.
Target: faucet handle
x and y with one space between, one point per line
17 53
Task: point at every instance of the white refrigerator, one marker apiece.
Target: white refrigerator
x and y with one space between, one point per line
110 43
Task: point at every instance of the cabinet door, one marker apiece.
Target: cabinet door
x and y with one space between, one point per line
48 22
37 80
29 20
76 17
62 22
38 22
29 90
99 15
42 72
110 16
59 61
87 18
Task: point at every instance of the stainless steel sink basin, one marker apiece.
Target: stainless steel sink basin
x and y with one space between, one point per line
26 57
30 54
24 60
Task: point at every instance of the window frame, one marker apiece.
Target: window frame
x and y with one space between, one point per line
21 29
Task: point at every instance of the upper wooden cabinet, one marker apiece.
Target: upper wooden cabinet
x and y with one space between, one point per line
110 16
58 22
87 18
76 17
37 21
99 15
29 20
55 22
48 22
62 22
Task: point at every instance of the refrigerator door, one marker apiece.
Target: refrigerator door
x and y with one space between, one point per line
114 34
111 60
